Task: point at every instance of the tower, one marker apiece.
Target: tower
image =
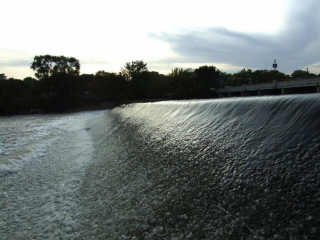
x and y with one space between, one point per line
275 65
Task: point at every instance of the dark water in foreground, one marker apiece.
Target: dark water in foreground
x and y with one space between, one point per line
242 168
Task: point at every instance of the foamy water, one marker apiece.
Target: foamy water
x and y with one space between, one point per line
43 161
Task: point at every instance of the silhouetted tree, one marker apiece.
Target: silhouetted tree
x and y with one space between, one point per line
134 74
183 83
207 77
3 76
59 92
46 66
132 69
302 74
30 81
59 88
108 86
265 76
12 96
242 77
85 82
247 76
155 85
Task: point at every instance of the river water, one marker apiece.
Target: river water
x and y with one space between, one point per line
238 168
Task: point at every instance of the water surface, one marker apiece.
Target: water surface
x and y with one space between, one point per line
212 169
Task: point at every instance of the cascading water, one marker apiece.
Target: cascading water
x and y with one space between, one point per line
240 168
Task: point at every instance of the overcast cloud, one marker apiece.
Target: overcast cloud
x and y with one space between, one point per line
229 34
296 46
16 63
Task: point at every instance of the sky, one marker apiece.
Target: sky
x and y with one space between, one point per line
105 34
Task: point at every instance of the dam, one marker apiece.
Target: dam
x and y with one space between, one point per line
233 168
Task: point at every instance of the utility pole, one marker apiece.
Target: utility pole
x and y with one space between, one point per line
274 67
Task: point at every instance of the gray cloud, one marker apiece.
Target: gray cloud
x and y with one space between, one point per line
296 46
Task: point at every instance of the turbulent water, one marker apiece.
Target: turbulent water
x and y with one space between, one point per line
239 168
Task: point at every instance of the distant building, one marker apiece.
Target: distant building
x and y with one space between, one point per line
275 65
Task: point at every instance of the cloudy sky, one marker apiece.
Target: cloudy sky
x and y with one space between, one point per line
104 35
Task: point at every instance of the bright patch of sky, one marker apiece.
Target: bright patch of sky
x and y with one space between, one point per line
104 35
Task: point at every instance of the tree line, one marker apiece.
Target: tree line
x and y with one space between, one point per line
58 85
